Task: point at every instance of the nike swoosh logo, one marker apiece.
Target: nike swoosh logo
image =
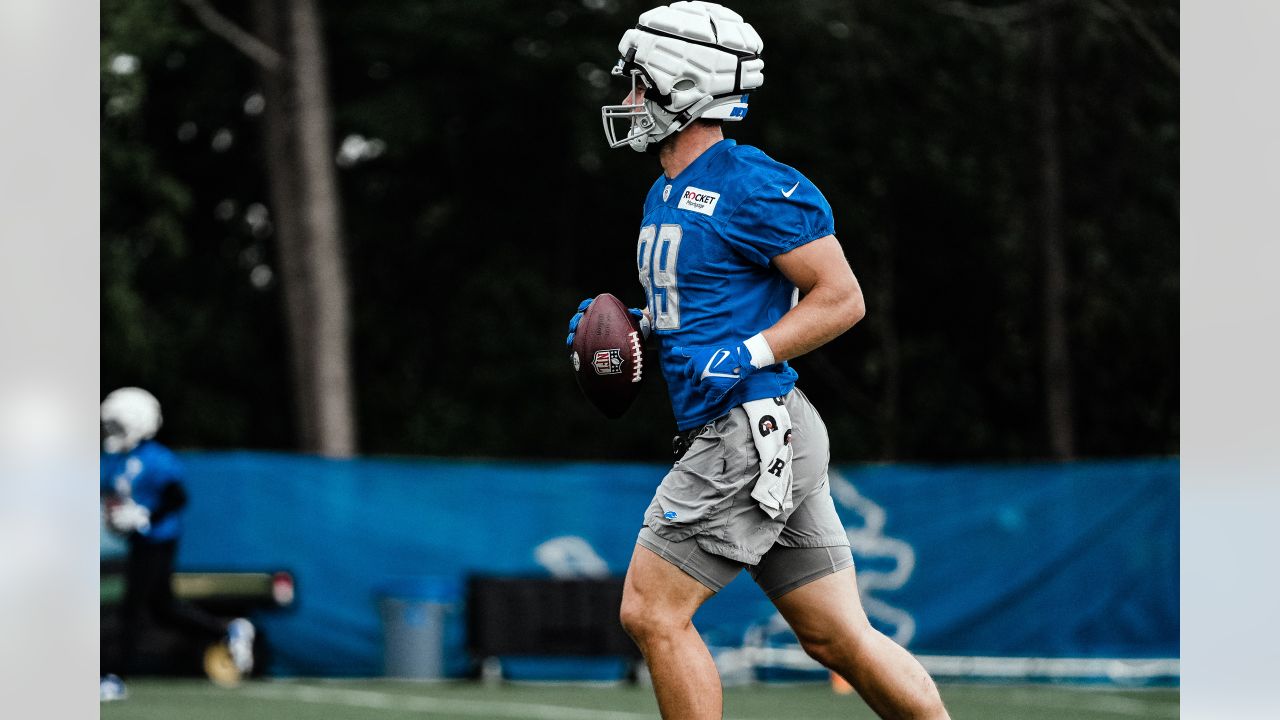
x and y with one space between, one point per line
787 194
717 357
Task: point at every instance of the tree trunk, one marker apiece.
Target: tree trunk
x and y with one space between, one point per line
278 145
1057 362
298 146
321 218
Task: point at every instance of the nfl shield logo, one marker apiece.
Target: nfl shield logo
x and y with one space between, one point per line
608 362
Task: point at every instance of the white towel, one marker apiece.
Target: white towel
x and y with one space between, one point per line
771 431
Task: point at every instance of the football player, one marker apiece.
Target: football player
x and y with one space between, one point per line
742 271
143 499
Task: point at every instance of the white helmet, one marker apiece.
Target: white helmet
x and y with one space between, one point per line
129 416
695 59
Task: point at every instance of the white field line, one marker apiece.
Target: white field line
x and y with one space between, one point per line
372 699
996 667
1003 667
1029 667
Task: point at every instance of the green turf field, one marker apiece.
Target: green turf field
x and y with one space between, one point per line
390 700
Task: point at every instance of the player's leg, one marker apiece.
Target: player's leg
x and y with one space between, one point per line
658 602
827 616
698 533
809 576
171 612
191 620
144 572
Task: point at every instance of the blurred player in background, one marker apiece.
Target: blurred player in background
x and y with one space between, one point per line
143 499
742 271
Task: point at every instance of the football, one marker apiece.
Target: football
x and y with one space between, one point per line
608 355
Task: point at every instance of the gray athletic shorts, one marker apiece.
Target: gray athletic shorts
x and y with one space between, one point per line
703 519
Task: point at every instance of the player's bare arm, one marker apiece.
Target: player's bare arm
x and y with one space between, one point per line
830 299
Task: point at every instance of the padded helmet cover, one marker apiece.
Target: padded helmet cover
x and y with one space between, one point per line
686 72
696 59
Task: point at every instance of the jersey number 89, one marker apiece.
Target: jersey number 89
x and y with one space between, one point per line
657 250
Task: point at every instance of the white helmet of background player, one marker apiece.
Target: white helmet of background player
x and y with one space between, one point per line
130 415
694 60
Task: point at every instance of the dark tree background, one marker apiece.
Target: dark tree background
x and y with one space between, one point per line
995 168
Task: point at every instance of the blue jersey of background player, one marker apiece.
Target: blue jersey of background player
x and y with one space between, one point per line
149 475
704 255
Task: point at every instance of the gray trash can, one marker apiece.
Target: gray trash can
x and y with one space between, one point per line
419 618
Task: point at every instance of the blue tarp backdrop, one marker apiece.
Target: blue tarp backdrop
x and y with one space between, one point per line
1051 560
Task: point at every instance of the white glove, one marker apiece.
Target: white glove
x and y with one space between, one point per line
129 516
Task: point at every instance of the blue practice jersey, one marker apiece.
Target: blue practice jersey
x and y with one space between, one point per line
142 474
704 253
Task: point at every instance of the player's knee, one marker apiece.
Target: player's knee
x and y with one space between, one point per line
822 648
644 621
832 644
636 619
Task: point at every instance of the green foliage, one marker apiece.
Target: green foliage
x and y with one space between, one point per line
495 206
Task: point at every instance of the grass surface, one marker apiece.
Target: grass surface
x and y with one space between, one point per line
390 700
